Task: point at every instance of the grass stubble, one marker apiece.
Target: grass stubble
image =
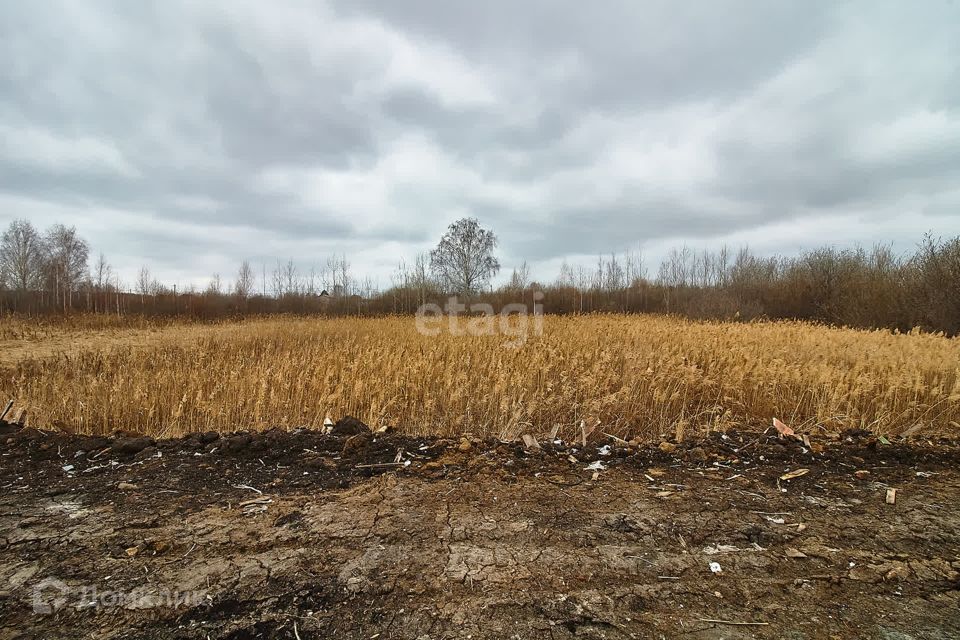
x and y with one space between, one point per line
637 376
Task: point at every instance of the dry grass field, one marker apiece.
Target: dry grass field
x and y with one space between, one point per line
639 376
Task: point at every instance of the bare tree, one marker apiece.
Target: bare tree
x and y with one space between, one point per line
463 262
215 287
102 272
341 280
67 255
21 256
519 278
244 286
277 281
421 277
143 283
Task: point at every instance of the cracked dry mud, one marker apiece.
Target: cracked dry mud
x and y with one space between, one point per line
490 541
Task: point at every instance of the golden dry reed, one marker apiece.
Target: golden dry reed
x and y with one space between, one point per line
640 376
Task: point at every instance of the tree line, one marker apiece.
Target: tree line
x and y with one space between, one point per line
49 272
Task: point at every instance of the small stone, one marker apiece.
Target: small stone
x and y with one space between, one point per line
126 486
900 571
132 551
465 445
698 454
863 473
668 447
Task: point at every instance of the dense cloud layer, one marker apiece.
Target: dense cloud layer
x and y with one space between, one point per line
189 136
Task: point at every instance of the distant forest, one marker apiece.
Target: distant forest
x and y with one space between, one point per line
51 272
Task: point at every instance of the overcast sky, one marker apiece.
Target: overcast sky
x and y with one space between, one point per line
191 135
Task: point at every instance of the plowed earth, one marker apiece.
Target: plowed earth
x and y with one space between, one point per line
305 535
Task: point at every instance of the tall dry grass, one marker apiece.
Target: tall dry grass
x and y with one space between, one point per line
638 375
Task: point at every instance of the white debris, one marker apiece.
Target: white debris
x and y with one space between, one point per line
67 467
605 450
715 567
596 466
720 548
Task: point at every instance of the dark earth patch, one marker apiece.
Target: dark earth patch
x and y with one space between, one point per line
283 534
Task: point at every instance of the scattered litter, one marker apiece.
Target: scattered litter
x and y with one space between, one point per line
715 567
735 624
126 486
883 440
67 467
529 442
926 474
861 473
790 475
254 506
712 550
553 434
605 450
783 429
774 520
586 430
596 466
619 441
262 500
720 548
891 496
246 486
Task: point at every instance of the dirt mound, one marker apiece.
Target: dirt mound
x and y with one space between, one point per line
299 534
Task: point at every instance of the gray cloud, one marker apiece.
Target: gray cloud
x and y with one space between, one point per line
191 136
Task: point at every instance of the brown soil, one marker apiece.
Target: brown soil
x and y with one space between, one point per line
476 539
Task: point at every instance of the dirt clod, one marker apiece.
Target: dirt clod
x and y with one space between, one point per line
131 445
